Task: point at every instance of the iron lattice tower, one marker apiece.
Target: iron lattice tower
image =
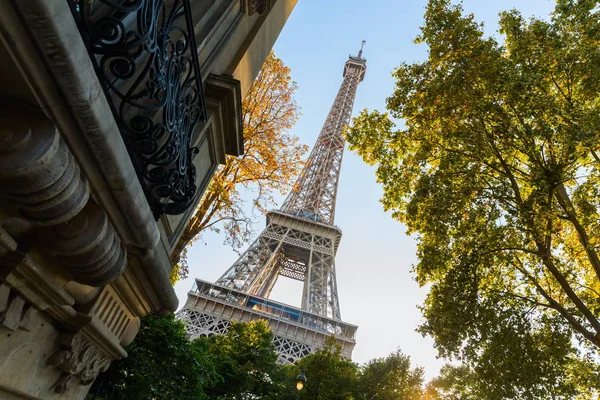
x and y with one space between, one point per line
300 242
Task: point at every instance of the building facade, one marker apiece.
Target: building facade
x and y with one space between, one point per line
114 115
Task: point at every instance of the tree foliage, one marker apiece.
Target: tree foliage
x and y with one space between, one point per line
161 364
329 377
164 365
465 382
270 163
390 378
497 173
245 361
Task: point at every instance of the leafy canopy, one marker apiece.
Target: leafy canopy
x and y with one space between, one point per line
497 173
161 364
329 377
390 378
245 361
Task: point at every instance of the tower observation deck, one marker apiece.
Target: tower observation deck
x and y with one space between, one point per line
300 242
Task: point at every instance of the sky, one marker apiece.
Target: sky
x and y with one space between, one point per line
377 290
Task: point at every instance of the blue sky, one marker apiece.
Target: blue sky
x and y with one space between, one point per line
376 288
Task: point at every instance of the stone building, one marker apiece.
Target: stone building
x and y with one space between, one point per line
114 115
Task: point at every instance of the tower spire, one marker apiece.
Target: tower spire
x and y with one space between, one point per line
314 193
361 49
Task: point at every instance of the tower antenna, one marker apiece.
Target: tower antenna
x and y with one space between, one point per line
361 48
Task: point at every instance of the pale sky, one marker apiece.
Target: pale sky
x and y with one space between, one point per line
377 291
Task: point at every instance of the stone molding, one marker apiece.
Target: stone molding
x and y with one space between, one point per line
224 99
42 181
15 312
87 246
75 101
110 309
38 174
24 276
43 40
87 342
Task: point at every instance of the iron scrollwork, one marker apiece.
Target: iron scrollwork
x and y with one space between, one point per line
145 56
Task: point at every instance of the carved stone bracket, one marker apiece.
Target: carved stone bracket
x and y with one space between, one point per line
38 174
259 7
91 335
78 359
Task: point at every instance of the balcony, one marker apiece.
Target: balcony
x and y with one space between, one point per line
145 57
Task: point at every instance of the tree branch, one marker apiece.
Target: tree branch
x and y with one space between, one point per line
565 202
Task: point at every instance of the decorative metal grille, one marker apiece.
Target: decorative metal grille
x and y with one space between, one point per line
199 324
145 56
289 351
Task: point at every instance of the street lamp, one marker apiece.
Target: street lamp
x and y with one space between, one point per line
301 380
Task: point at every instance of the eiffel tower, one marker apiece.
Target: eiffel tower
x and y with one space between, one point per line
299 242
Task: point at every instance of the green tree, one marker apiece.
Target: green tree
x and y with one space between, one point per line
329 377
498 175
464 382
453 383
245 362
390 378
161 364
519 362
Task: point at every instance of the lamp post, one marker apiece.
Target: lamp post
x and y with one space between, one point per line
301 380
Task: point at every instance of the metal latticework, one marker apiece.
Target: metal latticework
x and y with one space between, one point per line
295 248
202 325
299 250
299 242
313 195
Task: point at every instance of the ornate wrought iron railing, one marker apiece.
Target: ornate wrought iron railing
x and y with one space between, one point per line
145 56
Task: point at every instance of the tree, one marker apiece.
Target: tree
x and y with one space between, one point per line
520 363
245 362
390 378
329 377
497 173
161 364
241 364
453 383
271 161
